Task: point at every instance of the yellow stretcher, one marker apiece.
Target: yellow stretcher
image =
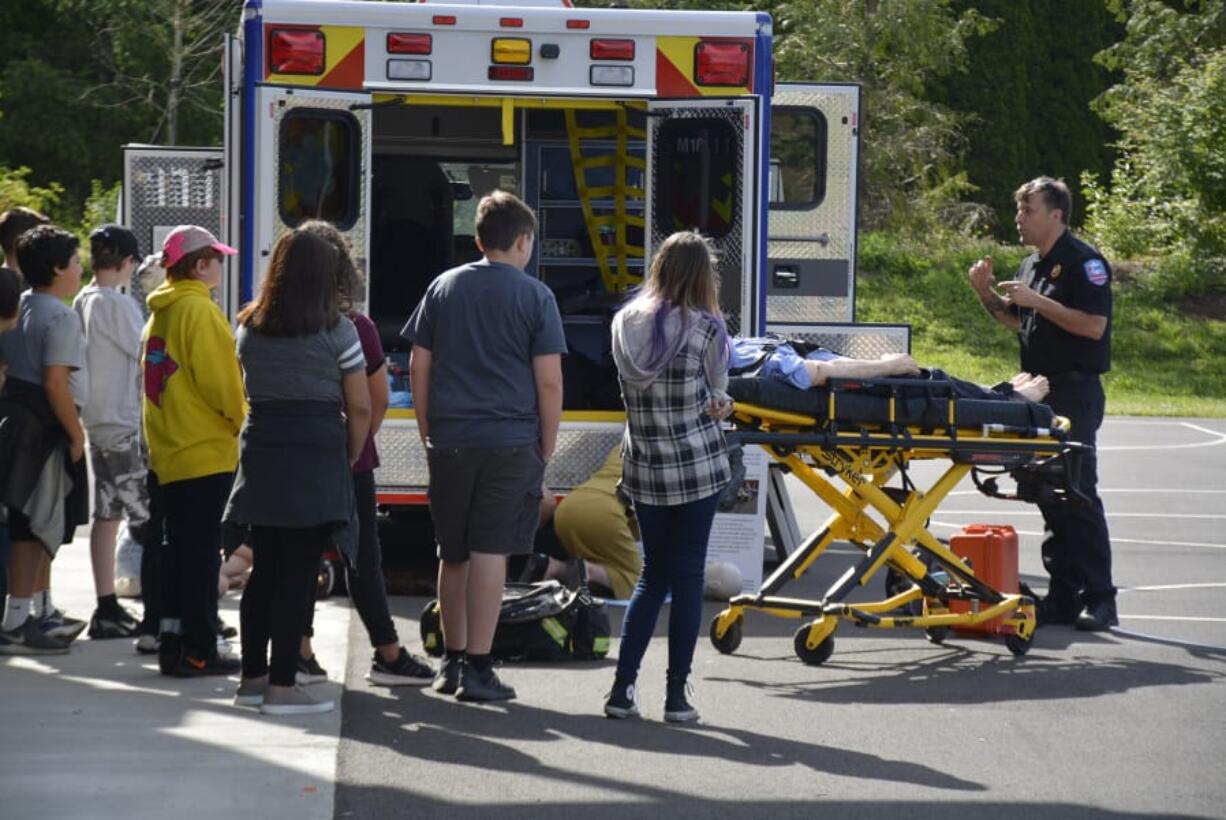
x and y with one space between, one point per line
864 433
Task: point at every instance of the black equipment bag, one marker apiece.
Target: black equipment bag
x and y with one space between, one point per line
539 622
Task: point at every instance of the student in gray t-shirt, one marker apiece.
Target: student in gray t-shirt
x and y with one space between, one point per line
486 373
113 326
46 364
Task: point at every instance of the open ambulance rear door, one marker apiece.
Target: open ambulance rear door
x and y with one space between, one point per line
810 279
702 161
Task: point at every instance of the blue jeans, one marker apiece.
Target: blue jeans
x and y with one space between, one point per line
674 556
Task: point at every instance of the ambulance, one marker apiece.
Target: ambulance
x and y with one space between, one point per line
617 126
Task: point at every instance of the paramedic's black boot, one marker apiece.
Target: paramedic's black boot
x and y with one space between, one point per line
622 702
677 706
1059 606
1099 616
479 682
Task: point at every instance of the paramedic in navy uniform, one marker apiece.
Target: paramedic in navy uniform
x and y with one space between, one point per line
1060 305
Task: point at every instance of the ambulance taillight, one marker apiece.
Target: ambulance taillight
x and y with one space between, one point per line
407 43
296 51
718 62
602 49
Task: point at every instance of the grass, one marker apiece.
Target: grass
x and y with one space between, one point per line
1165 361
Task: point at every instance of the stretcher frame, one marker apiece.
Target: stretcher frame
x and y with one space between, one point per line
864 458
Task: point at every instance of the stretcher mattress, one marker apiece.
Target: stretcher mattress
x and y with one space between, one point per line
917 402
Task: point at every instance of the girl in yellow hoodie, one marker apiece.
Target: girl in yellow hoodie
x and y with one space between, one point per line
193 409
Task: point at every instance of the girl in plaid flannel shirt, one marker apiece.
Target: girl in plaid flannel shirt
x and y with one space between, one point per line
671 348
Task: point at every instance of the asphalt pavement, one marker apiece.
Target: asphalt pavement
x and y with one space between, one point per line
1130 723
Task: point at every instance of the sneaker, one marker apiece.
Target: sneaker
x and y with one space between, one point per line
193 667
1098 617
127 587
30 639
251 691
294 700
622 702
406 670
482 686
147 644
170 651
60 626
107 625
224 648
447 679
225 630
309 671
677 706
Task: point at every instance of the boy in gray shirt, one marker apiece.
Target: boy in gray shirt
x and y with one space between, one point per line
113 325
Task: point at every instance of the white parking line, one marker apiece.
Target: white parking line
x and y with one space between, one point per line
1216 439
1197 619
1110 515
1163 587
1114 540
1101 490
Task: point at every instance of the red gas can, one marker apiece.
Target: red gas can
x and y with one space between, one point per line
991 550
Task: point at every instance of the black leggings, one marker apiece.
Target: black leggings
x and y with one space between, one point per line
275 602
367 587
192 557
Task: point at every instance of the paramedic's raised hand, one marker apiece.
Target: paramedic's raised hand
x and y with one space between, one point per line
1021 294
983 279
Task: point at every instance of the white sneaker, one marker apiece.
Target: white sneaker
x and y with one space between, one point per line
225 649
295 700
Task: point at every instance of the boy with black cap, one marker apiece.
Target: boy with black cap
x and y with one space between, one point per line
113 326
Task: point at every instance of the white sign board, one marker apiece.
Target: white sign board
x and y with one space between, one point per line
739 534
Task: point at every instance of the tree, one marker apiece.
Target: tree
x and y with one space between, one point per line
1167 193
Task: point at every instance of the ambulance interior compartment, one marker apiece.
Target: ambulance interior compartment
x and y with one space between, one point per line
430 167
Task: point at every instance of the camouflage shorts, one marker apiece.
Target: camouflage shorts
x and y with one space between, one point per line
119 481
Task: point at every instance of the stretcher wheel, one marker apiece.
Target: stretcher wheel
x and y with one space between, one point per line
937 634
325 579
816 656
731 639
1017 645
432 630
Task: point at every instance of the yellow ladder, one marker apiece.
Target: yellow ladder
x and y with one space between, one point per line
610 256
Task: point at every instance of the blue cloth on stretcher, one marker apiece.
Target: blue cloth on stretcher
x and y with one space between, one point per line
775 360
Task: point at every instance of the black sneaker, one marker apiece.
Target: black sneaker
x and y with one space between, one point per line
1056 611
622 702
482 686
225 630
309 671
30 639
193 667
406 670
447 679
170 651
1098 617
106 625
59 626
677 706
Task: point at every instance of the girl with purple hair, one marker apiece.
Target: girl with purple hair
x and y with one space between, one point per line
671 348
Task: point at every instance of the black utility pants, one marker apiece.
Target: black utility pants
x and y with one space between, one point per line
1076 544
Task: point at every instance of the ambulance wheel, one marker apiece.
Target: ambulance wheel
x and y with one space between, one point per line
1017 645
731 639
816 656
937 634
325 581
432 630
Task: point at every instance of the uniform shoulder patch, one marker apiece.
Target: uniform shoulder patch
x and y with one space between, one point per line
1096 271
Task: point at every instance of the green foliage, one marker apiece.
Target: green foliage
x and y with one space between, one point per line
1163 361
16 191
1027 91
1167 191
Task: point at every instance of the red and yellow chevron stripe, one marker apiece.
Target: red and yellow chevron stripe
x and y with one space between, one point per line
675 70
344 58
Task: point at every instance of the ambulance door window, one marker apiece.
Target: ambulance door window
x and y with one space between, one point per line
798 158
696 175
318 167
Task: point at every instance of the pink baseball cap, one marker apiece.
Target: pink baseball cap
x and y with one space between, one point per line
188 238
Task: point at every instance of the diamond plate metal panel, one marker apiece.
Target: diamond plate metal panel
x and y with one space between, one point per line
833 214
165 187
356 235
729 248
805 309
582 449
856 341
